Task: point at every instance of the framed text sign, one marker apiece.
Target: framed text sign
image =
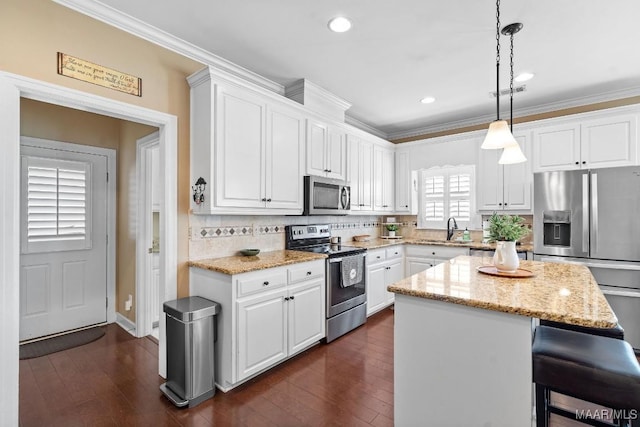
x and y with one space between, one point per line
86 71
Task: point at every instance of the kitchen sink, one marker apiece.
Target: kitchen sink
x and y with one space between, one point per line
434 241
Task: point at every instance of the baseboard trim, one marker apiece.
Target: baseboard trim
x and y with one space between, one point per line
126 324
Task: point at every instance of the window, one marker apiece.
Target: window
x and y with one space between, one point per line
446 192
56 204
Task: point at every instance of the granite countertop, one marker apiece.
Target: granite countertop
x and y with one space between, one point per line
565 293
376 243
244 264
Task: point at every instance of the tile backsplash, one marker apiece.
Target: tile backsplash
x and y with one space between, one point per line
213 236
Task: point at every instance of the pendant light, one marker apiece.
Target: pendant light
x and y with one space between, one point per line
512 153
498 135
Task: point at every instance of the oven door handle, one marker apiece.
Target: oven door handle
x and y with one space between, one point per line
335 260
627 293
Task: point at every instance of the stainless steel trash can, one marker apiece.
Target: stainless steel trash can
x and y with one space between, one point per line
191 335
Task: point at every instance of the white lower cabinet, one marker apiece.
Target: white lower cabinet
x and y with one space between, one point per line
421 257
262 332
266 316
384 267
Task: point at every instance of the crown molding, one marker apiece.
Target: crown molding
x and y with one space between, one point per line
364 127
519 112
143 30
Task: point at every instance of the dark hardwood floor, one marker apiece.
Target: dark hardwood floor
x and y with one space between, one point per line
114 382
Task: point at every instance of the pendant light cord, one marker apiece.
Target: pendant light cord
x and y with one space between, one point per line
511 86
498 59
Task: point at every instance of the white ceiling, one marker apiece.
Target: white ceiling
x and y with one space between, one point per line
400 51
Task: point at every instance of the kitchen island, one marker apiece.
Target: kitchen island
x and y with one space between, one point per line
462 350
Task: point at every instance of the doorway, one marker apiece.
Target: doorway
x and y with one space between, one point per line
68 210
12 88
149 293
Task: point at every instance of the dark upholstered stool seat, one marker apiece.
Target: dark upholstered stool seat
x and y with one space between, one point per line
617 332
598 369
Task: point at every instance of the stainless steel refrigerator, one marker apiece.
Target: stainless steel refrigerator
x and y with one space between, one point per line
592 217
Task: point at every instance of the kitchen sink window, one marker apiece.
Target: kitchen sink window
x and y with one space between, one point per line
446 192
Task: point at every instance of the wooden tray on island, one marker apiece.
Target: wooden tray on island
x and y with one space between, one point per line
493 271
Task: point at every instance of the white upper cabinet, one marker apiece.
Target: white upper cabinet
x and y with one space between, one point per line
585 143
383 167
285 139
505 187
248 148
610 141
404 183
240 158
360 173
326 150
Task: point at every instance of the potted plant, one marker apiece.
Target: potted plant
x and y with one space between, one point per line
392 228
505 230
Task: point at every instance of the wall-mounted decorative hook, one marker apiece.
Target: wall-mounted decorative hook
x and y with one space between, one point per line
198 190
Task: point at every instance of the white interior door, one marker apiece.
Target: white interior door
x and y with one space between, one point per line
63 261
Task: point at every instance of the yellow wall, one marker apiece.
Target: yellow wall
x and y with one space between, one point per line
33 31
48 121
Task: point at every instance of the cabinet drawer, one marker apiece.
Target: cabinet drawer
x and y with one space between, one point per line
394 252
306 271
375 256
262 282
435 251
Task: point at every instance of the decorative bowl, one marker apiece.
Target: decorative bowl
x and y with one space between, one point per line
250 252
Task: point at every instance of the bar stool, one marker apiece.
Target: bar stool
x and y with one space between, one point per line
600 370
616 332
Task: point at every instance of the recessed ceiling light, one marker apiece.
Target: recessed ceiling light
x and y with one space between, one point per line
523 77
428 100
339 24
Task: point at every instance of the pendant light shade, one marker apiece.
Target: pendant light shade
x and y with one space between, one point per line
498 136
512 155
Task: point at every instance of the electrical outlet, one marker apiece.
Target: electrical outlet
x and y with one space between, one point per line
128 303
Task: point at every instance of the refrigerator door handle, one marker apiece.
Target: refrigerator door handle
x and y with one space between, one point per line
585 213
594 212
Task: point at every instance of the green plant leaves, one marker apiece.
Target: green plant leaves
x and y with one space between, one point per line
506 227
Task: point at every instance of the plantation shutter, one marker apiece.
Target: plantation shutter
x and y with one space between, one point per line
57 209
434 194
460 196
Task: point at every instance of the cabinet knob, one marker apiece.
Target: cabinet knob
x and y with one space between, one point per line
264 199
265 283
433 253
577 163
269 200
329 171
505 203
291 297
499 204
308 273
378 257
584 162
286 298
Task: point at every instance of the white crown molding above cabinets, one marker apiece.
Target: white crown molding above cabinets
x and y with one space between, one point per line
364 127
138 28
520 112
318 99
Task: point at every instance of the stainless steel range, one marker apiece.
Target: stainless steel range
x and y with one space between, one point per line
345 276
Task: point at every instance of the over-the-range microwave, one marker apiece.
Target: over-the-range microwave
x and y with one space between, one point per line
325 196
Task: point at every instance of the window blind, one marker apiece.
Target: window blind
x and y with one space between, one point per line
56 203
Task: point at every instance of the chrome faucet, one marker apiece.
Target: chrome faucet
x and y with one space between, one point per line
451 229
